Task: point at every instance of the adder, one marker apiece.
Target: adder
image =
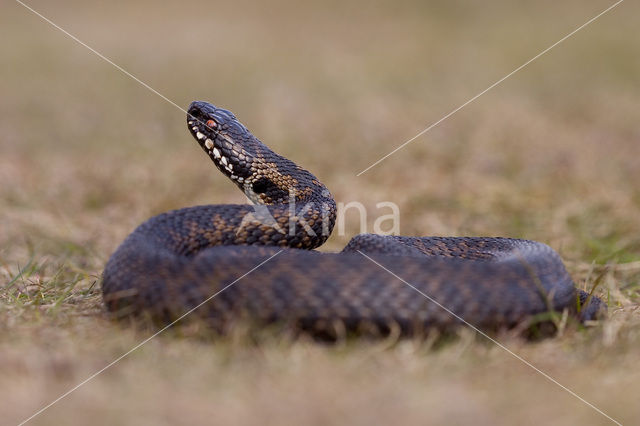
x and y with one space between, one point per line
237 262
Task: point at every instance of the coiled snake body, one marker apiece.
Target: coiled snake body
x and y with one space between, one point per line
255 261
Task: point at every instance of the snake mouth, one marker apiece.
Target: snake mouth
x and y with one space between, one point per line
218 133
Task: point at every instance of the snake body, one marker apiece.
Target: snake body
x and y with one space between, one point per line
256 261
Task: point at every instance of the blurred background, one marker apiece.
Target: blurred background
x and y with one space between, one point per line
87 153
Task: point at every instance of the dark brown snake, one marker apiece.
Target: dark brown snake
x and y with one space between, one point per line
177 260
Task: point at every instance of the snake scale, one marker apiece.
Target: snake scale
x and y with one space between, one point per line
256 262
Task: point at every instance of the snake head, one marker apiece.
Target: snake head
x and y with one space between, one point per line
224 138
264 176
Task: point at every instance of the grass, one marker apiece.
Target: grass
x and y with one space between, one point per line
86 154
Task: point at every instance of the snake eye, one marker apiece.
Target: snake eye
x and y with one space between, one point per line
212 124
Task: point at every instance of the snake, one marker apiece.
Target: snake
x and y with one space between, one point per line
256 263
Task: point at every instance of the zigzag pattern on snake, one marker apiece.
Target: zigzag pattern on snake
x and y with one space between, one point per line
175 261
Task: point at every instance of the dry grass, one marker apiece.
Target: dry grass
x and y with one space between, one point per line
552 154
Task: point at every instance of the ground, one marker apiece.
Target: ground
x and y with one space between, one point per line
550 154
